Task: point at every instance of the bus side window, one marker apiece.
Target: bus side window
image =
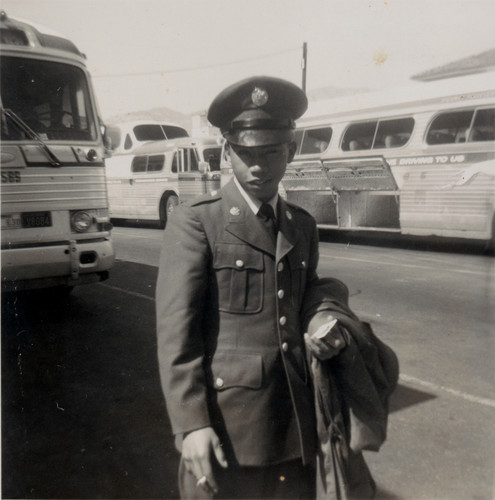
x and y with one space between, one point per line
128 142
212 156
483 126
193 160
155 163
173 132
175 163
393 133
448 127
139 164
149 132
316 140
359 136
356 145
298 137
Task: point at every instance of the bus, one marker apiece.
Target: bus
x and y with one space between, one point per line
55 222
125 137
416 161
148 184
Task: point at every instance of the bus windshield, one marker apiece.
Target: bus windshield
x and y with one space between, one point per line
50 98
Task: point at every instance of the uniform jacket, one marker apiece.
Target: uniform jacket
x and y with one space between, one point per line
230 335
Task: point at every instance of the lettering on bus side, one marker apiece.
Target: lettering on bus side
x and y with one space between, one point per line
428 160
11 176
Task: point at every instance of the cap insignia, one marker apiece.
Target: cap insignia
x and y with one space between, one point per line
235 211
259 96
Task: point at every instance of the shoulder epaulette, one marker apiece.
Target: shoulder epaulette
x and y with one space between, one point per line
206 198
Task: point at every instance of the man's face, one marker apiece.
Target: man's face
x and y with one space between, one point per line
260 169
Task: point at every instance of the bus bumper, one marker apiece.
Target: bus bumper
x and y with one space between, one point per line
58 264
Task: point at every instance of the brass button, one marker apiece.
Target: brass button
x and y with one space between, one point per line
219 382
283 320
280 267
239 263
285 347
280 294
303 264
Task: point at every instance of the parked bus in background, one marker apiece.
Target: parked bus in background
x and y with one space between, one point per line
417 162
126 137
55 223
148 184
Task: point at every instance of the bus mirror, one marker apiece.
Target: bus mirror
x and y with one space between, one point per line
107 143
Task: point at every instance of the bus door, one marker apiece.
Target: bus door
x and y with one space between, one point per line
367 194
194 178
305 184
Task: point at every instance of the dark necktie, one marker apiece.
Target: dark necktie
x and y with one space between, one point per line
267 215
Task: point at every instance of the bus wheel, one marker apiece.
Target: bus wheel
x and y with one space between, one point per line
167 207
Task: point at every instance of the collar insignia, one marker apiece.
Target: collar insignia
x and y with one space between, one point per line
289 215
235 211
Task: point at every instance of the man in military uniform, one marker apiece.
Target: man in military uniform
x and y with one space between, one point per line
234 270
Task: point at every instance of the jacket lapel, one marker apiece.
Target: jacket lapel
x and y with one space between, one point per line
288 233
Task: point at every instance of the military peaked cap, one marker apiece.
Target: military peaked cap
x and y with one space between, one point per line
258 111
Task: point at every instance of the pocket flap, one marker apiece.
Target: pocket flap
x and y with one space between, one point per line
234 369
228 255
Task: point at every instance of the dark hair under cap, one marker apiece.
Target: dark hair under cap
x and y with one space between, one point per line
258 111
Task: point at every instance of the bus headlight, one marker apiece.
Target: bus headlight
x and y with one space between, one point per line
81 221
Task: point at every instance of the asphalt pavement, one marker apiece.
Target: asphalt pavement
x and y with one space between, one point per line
83 415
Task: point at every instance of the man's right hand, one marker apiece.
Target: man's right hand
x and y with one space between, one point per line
197 449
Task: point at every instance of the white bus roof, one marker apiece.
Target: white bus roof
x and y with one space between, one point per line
416 94
22 35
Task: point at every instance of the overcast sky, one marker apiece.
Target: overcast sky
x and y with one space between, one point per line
179 54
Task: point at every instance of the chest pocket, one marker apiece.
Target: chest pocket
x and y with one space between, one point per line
239 272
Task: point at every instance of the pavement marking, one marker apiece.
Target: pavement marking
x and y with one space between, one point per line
454 392
402 264
129 292
402 376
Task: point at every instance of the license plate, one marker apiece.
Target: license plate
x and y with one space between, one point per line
36 219
11 221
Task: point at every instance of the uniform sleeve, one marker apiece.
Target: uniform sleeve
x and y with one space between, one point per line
180 299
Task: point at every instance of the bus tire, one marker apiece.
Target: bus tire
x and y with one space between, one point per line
167 206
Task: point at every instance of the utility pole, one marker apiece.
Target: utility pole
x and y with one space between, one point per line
304 64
